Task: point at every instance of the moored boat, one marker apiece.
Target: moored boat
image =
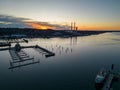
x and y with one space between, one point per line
100 77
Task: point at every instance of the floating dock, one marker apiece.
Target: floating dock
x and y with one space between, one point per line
41 50
20 59
21 65
37 48
3 44
44 51
19 56
109 80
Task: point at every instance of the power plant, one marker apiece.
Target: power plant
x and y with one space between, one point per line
73 26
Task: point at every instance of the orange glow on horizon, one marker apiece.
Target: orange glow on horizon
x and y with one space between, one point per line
38 26
99 28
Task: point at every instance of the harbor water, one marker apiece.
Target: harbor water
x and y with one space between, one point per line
75 65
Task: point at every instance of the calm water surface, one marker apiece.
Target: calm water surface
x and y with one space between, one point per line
74 67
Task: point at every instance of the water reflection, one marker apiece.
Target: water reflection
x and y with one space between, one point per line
75 65
60 49
65 48
73 41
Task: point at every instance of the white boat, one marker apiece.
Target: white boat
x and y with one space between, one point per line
101 76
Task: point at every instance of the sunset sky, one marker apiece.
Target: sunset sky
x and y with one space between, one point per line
58 14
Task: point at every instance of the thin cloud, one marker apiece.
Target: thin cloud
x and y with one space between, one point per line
13 22
7 18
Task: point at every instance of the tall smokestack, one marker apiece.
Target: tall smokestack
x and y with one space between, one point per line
74 26
71 25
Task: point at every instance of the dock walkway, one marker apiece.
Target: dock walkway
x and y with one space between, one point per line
41 50
108 82
44 51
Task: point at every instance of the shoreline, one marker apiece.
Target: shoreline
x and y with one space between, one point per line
16 33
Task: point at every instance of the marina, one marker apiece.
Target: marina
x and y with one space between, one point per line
20 57
59 44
